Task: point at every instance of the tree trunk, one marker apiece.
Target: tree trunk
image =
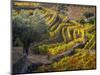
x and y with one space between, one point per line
25 50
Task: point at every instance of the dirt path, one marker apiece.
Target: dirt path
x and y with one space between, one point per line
43 59
21 66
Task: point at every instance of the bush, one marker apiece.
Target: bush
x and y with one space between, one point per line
82 21
40 49
92 21
43 49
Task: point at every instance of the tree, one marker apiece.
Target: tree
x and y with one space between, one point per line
28 29
88 14
62 9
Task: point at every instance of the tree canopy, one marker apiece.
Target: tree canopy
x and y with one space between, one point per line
28 28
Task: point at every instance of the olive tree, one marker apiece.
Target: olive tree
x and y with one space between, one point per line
28 28
88 14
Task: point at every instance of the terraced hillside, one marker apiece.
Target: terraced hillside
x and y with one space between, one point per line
70 43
